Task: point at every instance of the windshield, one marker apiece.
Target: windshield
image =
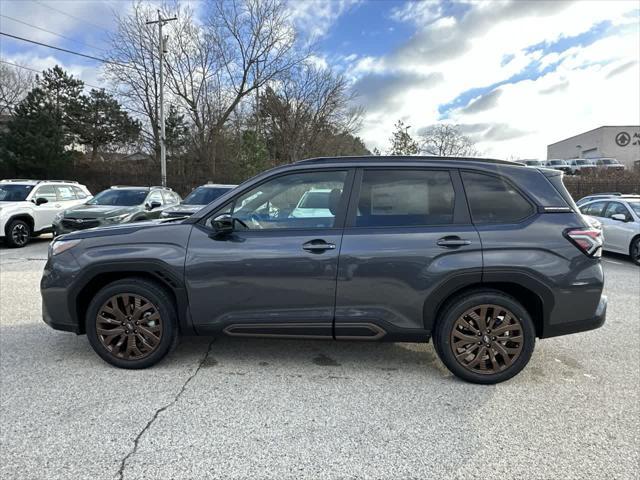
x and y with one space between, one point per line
609 161
121 198
585 162
315 200
635 206
557 162
204 195
14 193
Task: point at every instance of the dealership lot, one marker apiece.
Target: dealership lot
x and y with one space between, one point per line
252 408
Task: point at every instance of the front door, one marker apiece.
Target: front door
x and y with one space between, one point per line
45 212
275 274
617 233
408 238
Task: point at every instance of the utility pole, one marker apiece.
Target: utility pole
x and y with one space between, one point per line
163 148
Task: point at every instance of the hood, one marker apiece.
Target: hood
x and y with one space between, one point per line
23 203
98 211
119 229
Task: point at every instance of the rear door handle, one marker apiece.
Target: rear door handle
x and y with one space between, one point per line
318 246
452 242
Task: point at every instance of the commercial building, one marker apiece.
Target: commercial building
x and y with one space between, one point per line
619 142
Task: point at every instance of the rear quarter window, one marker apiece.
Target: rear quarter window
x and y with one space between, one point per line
493 200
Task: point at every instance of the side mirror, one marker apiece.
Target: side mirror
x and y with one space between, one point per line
41 200
621 217
152 205
223 224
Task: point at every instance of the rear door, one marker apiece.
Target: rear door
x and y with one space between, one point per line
408 236
66 196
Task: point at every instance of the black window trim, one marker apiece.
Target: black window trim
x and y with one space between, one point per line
338 225
460 211
532 204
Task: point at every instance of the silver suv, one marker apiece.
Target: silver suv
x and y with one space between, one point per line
28 207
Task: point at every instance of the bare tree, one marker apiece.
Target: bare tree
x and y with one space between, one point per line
306 104
15 83
134 71
446 140
255 44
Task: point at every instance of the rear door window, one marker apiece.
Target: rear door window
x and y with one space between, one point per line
594 209
405 198
493 200
65 193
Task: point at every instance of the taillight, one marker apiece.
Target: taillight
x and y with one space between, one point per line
588 240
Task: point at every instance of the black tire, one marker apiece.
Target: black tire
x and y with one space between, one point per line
634 250
160 299
455 309
18 233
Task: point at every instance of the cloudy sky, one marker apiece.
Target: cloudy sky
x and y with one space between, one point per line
515 75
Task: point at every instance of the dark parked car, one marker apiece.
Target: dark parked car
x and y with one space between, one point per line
116 205
197 199
481 256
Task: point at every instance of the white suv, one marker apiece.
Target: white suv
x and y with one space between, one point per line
27 207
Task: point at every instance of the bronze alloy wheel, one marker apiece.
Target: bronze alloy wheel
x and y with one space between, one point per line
487 339
129 326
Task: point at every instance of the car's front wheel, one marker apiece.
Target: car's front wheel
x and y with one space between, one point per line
485 337
18 234
131 323
634 250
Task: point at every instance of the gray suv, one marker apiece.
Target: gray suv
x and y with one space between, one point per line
481 256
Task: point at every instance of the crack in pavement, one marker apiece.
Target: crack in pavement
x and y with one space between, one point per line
136 441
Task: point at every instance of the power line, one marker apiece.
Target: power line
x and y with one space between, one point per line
52 33
40 72
104 60
124 107
71 16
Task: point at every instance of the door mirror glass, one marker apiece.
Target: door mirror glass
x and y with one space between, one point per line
223 224
619 216
41 200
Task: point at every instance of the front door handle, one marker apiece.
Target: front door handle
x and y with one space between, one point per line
452 242
318 246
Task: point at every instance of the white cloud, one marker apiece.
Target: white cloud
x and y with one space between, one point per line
469 52
314 18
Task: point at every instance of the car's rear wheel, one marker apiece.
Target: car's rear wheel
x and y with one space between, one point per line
131 323
485 337
634 250
18 234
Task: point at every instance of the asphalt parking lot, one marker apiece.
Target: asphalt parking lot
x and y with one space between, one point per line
244 408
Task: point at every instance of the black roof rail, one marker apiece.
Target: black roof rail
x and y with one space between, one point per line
405 158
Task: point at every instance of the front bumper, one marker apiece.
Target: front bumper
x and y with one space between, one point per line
55 284
585 325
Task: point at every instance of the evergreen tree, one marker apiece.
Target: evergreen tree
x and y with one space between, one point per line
38 136
100 122
401 142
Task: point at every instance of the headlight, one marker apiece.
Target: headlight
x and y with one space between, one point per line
117 218
58 246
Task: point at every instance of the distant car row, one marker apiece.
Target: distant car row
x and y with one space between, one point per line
32 207
576 166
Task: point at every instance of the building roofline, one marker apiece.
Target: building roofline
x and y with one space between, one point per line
592 130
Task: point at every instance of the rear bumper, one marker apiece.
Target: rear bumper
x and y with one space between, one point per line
580 326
